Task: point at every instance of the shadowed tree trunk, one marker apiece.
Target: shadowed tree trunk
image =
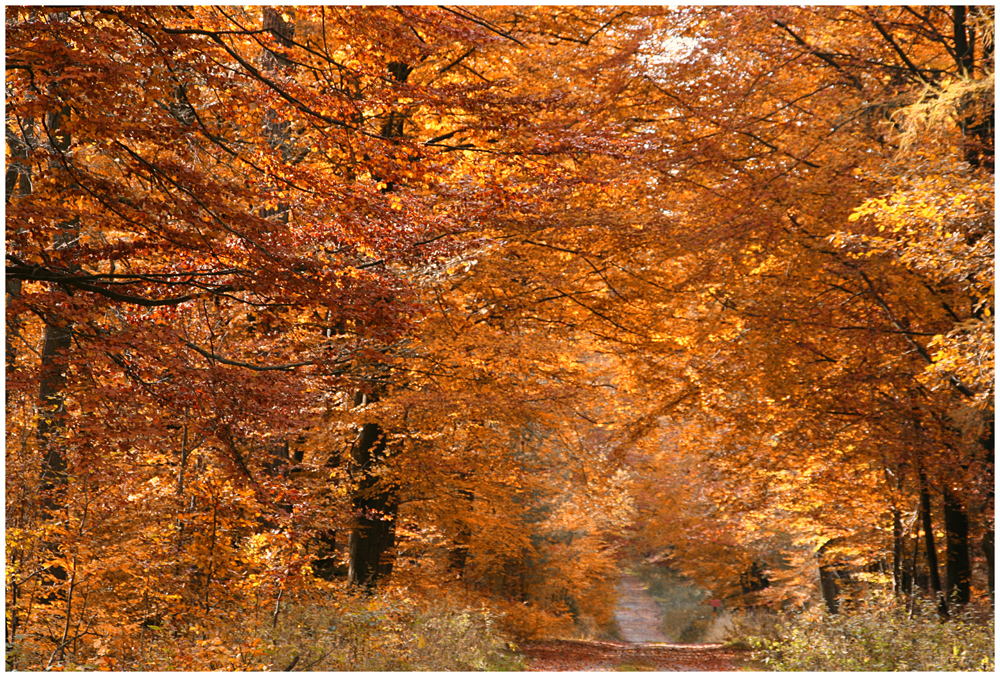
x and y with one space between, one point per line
375 506
897 552
17 182
958 566
56 344
829 576
932 560
988 549
52 413
458 556
373 536
910 575
987 441
977 126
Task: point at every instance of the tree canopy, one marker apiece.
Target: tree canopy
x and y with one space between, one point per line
302 300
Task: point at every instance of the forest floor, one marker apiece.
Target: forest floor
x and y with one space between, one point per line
644 646
582 656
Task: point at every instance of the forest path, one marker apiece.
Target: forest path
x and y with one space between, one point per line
637 614
580 656
645 647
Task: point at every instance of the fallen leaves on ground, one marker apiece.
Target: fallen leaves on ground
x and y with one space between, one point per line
583 656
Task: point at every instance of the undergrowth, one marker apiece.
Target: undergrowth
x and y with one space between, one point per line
331 630
874 636
388 632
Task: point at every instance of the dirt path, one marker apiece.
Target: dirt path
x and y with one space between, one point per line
644 648
578 656
637 614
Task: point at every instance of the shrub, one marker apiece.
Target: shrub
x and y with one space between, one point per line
337 630
877 635
390 631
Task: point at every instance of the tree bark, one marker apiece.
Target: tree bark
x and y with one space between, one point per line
989 550
978 125
373 534
988 442
897 552
932 560
458 556
56 345
910 575
828 577
52 411
17 182
958 566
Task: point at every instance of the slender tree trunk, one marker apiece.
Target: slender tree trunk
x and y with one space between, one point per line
17 182
989 550
13 325
910 577
958 565
977 126
988 442
932 560
52 412
897 552
56 345
828 577
458 556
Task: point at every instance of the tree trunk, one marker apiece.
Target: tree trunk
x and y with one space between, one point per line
958 566
13 290
56 344
17 182
375 506
932 560
328 563
51 425
828 577
52 410
910 575
458 556
373 536
977 125
988 549
988 442
897 552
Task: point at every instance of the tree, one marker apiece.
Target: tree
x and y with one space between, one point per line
256 212
782 121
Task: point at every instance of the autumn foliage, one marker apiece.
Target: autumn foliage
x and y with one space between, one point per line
354 308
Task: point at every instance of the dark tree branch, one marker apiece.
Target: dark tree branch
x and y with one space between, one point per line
485 24
246 365
826 58
899 51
